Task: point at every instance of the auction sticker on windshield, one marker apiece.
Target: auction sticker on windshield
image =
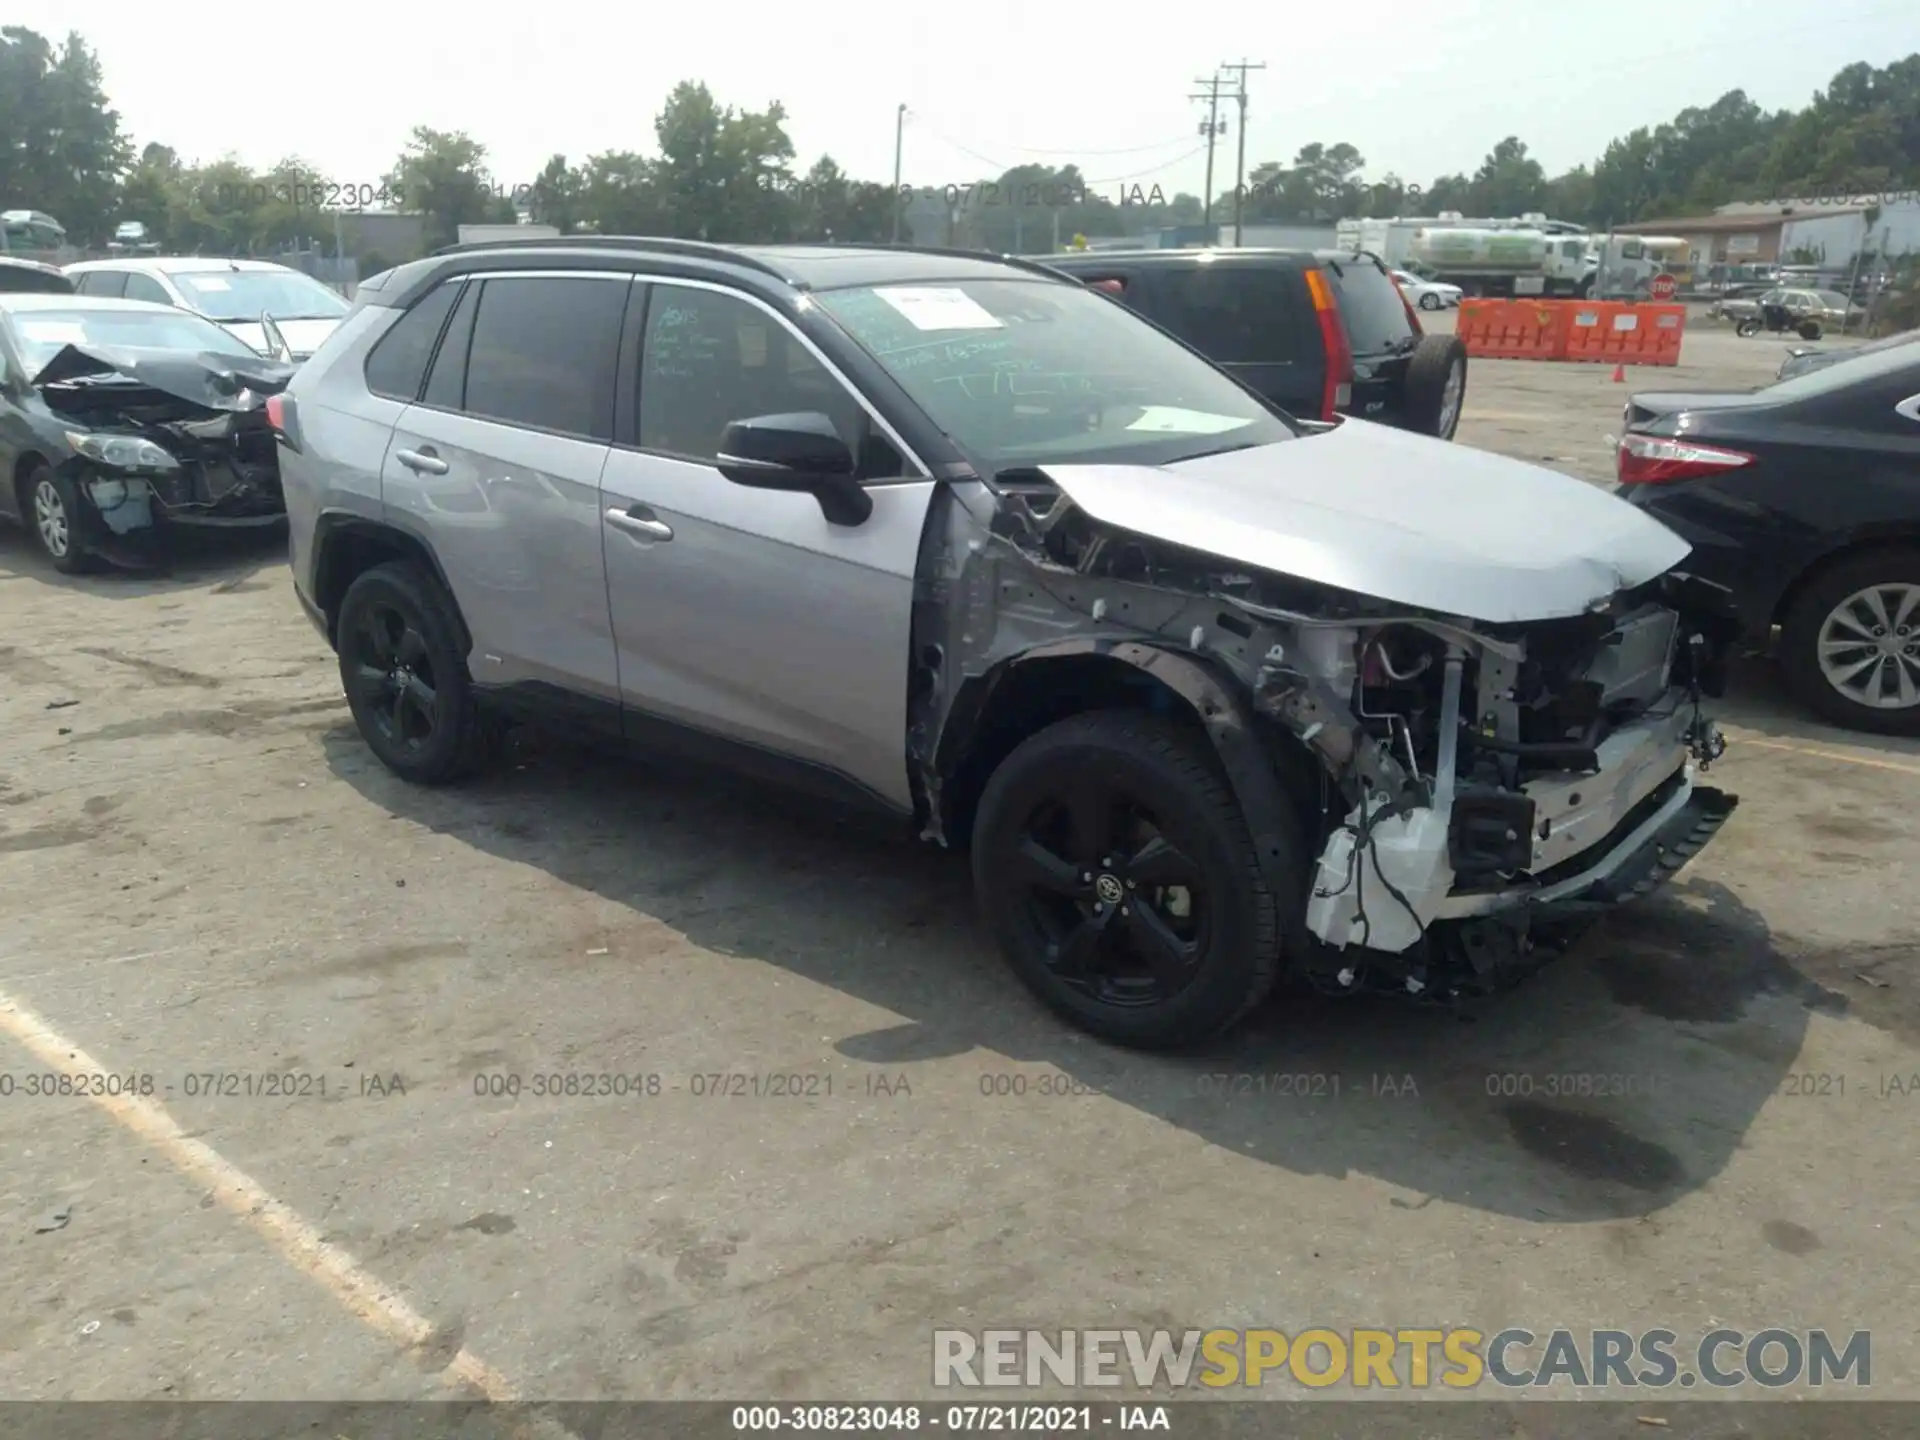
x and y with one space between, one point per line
1172 420
52 332
929 308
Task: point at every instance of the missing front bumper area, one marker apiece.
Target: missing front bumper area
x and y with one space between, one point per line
1480 954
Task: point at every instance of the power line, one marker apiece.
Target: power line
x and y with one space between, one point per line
1002 167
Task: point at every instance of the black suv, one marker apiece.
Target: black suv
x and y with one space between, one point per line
1320 333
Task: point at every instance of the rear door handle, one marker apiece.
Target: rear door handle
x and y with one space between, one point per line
640 521
421 462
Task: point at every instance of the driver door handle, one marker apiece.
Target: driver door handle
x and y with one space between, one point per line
639 521
421 462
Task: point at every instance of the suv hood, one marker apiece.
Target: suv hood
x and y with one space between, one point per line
209 380
1394 516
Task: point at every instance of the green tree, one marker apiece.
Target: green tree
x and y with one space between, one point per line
556 195
444 176
1509 181
61 146
723 174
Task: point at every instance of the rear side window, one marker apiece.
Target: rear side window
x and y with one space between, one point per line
104 282
398 363
145 287
1239 314
544 353
1371 305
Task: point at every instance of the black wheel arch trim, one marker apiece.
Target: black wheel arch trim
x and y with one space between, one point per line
334 526
1226 716
1839 550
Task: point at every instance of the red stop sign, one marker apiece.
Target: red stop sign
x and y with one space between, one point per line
1663 287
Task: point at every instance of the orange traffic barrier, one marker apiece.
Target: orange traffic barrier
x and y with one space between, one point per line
1512 329
1624 334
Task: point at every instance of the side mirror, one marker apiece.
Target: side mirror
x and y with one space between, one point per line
277 347
796 452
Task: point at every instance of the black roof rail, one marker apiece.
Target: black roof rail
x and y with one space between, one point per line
659 245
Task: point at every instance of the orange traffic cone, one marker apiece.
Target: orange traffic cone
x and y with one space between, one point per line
1619 374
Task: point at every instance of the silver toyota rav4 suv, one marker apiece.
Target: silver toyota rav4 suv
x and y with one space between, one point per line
1216 697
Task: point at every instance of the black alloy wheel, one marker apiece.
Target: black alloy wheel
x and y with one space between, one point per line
1116 872
393 678
405 676
1119 910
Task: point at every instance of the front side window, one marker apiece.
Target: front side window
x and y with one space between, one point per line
544 352
1030 372
145 287
710 359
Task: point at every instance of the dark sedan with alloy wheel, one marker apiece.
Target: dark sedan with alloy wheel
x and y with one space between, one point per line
1803 501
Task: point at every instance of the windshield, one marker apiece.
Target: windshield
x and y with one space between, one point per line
243 295
43 333
1029 372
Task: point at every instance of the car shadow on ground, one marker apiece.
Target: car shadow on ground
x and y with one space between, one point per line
232 561
1619 1079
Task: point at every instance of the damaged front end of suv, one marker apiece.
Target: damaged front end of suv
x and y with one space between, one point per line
154 439
1455 730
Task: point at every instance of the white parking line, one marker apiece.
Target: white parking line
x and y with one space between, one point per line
373 1302
1740 738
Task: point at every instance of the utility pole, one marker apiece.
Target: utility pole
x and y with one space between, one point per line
1213 128
1240 159
899 136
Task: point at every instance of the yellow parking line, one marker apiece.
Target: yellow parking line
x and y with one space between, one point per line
1867 760
373 1302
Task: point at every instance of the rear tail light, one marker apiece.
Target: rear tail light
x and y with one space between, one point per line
283 417
1337 392
1650 460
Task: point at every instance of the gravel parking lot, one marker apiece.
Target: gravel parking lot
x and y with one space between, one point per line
203 873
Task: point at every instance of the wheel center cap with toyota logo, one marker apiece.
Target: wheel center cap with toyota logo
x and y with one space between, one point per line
1108 888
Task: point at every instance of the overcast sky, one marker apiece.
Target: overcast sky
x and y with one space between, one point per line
1421 89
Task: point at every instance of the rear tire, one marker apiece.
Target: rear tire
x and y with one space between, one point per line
1436 386
1429 301
406 679
1834 612
1128 812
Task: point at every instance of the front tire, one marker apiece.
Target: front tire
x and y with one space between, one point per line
59 519
406 679
1114 868
1835 661
1746 328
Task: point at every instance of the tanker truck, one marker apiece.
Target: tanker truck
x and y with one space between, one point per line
1392 239
1504 262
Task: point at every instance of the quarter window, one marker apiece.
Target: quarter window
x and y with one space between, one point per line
398 362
